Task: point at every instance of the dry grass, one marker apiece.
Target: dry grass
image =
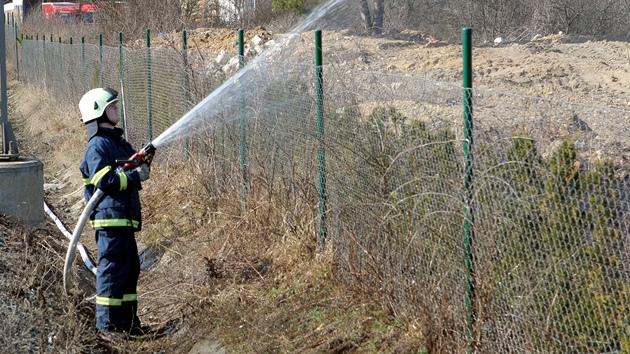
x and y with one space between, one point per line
249 280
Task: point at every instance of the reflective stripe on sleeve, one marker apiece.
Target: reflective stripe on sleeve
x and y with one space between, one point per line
99 175
108 301
122 176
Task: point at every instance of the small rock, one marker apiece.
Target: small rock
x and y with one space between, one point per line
257 40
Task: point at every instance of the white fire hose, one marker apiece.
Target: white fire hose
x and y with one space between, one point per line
84 255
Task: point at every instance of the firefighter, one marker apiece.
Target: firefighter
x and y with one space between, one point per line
115 218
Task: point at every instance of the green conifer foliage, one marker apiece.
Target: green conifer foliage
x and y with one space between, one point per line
583 297
398 189
510 255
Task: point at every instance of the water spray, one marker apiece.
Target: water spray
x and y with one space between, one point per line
201 112
215 103
145 155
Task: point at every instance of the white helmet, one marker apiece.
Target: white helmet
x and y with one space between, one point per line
94 102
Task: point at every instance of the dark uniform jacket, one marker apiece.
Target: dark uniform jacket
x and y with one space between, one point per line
120 206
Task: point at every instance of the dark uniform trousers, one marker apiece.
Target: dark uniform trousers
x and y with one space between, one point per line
118 269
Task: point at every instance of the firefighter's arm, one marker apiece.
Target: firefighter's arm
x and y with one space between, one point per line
105 174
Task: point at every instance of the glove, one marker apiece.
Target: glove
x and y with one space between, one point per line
143 171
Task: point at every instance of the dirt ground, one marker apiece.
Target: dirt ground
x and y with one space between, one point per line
286 300
588 75
559 67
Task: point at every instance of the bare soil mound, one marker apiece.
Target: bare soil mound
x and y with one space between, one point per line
213 40
560 67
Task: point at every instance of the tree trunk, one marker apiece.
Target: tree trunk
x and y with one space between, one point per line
366 17
377 25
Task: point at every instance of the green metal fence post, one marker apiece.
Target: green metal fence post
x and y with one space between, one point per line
321 161
185 57
71 85
60 60
44 58
51 63
83 64
243 143
100 56
468 177
148 62
122 83
17 61
241 49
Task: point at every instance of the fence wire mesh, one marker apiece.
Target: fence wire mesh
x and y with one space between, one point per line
549 199
551 230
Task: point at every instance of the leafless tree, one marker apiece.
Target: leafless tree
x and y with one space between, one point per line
373 22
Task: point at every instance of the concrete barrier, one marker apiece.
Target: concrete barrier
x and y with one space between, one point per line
22 191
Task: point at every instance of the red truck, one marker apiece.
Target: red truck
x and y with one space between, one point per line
86 12
70 12
59 11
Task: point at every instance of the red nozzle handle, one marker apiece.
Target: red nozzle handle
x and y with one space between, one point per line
134 161
143 156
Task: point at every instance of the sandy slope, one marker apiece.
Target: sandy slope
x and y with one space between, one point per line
577 69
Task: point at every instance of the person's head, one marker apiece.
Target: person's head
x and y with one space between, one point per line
100 105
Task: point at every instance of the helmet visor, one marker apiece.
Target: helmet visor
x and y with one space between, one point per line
113 93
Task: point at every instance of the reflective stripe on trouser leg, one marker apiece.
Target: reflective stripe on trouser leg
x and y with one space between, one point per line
107 301
116 269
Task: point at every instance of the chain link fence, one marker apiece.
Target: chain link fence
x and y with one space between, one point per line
549 198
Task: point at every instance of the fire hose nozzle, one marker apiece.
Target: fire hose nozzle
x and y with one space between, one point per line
148 152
